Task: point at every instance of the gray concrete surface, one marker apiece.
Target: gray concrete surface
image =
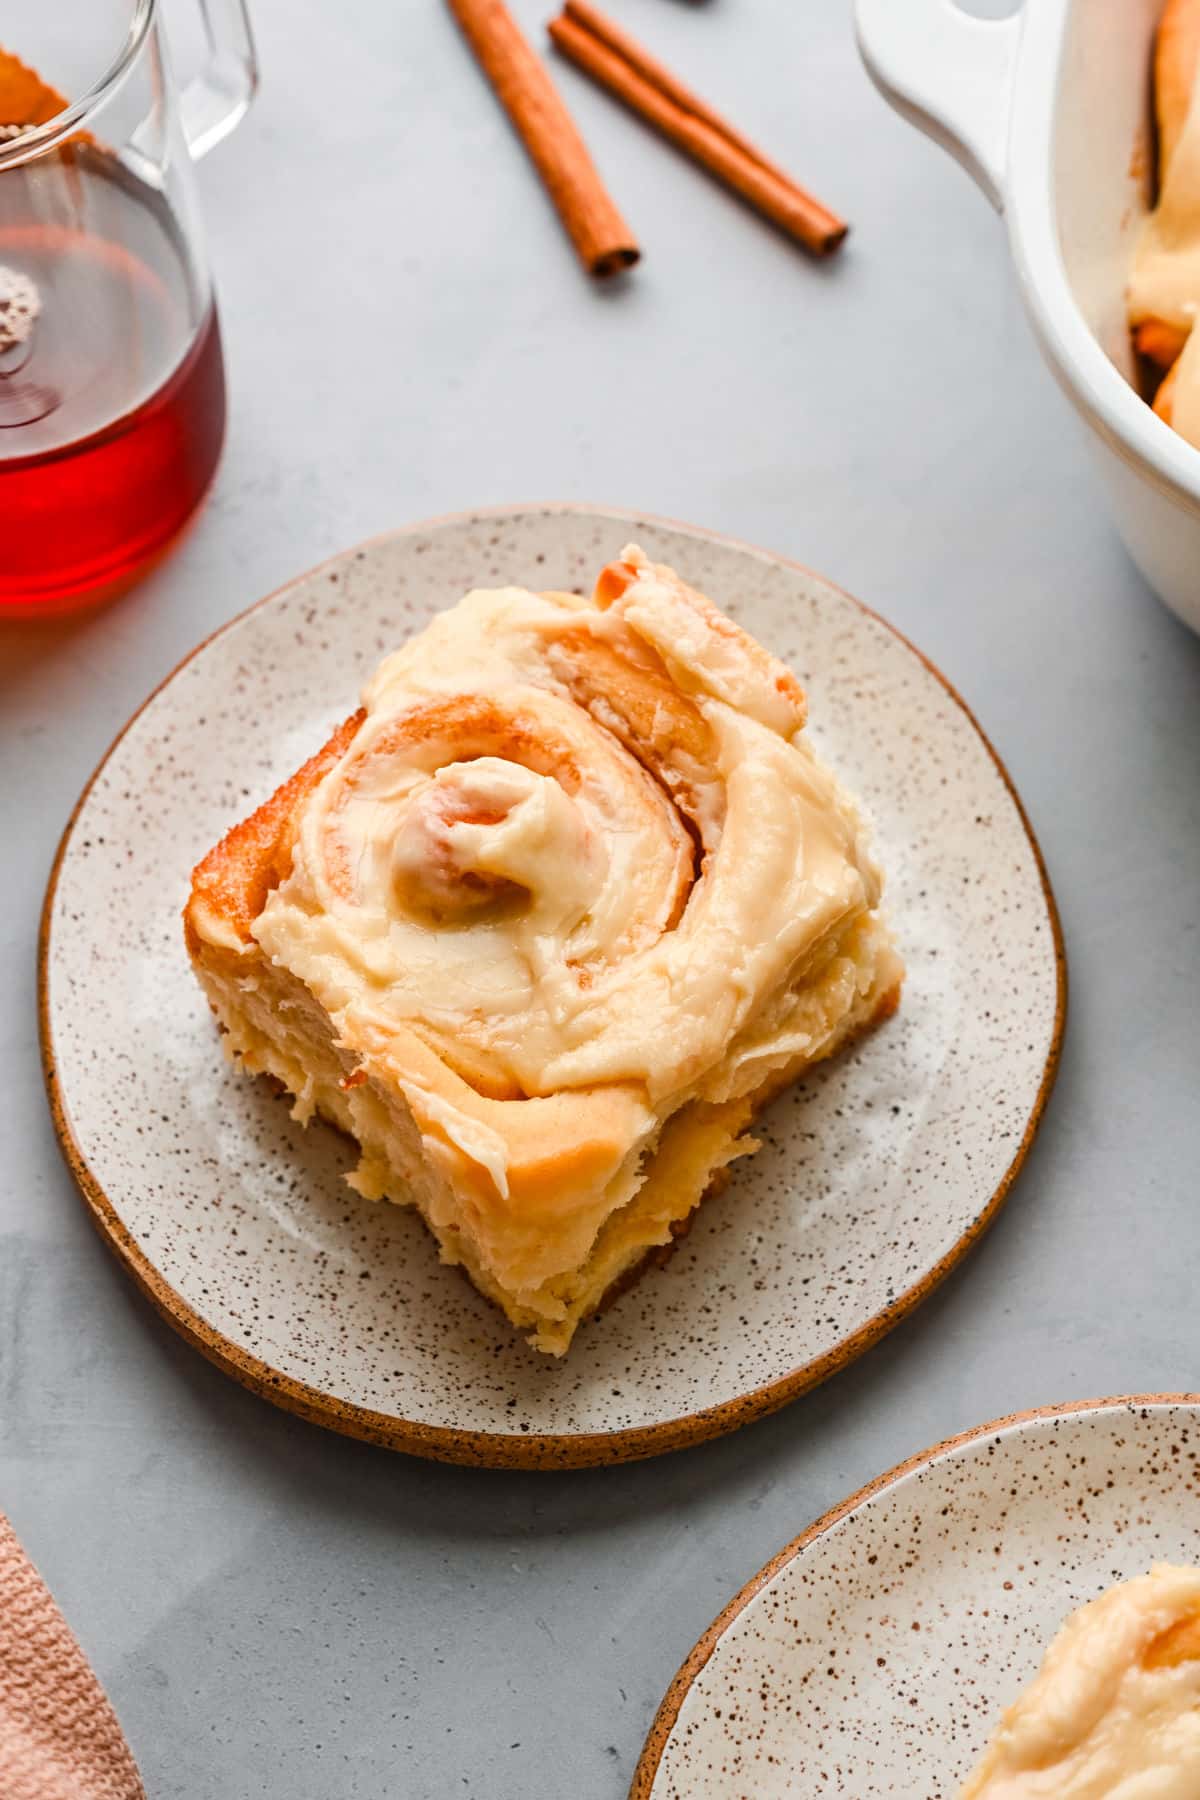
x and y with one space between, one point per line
277 1612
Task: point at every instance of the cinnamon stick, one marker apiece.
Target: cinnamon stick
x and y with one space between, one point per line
600 235
619 63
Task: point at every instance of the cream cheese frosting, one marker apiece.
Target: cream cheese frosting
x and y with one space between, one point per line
497 863
1114 1713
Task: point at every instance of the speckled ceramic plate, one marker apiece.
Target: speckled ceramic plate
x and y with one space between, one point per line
873 1657
876 1176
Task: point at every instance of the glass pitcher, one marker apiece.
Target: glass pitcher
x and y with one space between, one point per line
112 389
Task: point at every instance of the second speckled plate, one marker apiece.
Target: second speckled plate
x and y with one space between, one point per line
877 1173
872 1659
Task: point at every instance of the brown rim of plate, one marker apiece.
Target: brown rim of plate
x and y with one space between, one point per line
541 1450
664 1719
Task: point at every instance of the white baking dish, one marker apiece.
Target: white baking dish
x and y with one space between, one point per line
1048 110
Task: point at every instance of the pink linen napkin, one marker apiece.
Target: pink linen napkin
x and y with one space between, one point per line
59 1737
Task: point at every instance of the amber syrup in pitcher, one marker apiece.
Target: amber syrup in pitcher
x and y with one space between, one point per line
112 407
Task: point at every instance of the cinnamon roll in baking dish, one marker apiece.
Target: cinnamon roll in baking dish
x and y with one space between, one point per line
546 922
1164 288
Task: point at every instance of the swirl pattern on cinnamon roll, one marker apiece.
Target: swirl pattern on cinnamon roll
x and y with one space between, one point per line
548 922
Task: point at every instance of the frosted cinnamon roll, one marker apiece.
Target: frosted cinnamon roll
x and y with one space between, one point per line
546 922
1114 1713
1164 288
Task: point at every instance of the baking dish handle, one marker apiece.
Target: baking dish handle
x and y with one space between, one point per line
949 73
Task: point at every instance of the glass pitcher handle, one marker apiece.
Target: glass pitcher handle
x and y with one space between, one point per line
217 99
